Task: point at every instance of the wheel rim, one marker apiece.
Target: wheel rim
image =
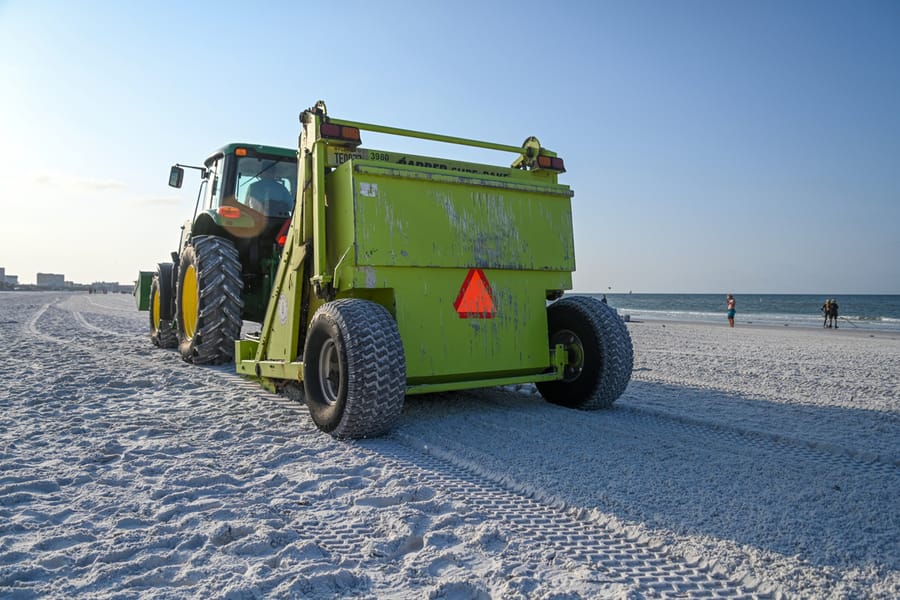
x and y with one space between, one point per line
190 301
330 372
574 353
154 312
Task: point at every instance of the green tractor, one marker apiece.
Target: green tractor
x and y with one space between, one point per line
228 253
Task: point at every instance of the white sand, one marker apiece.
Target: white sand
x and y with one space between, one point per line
739 463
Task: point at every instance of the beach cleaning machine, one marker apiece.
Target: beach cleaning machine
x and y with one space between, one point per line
400 274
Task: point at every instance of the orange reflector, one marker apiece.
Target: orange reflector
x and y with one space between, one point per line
544 162
240 152
281 238
230 212
475 299
350 133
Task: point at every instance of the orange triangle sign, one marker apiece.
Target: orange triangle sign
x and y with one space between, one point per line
475 297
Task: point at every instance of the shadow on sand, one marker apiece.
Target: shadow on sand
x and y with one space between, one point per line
819 482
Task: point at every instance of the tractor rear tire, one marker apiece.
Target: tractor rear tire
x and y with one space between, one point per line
209 305
599 349
354 369
162 326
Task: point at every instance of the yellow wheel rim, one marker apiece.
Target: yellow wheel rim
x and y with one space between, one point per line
190 302
154 312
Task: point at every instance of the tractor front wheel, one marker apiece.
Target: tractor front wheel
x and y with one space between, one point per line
209 305
162 328
354 370
599 354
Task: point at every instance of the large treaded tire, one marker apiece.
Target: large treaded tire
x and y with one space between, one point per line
209 303
600 354
162 320
354 369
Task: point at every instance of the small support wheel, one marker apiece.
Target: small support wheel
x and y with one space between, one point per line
354 369
599 354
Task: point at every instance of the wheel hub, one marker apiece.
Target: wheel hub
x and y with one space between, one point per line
154 312
574 353
190 302
330 372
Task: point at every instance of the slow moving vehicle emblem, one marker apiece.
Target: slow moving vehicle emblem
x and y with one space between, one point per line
475 299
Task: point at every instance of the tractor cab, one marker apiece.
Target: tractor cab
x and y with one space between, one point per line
247 195
243 187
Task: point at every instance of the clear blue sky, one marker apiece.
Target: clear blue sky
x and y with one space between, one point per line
712 146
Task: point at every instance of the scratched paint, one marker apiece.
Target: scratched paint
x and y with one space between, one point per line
371 278
420 222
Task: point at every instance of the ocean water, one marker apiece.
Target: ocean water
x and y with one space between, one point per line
859 311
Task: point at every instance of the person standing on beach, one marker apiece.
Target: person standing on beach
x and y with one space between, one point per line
833 313
826 311
729 299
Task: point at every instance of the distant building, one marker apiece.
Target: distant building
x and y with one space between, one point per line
51 280
111 287
11 279
2 273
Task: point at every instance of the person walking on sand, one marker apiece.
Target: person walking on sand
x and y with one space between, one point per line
833 313
729 299
826 311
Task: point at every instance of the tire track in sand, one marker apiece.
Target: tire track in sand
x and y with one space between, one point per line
616 552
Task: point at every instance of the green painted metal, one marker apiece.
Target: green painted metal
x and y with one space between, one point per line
436 137
321 276
142 290
336 156
407 232
558 360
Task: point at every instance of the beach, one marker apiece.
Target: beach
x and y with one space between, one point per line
758 461
877 313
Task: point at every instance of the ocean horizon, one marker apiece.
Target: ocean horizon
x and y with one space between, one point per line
877 312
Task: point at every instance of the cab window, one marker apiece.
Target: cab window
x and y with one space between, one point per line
267 185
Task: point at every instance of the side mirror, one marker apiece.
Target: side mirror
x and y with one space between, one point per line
176 176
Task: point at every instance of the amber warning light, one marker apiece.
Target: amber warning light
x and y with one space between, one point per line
230 212
551 162
340 132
